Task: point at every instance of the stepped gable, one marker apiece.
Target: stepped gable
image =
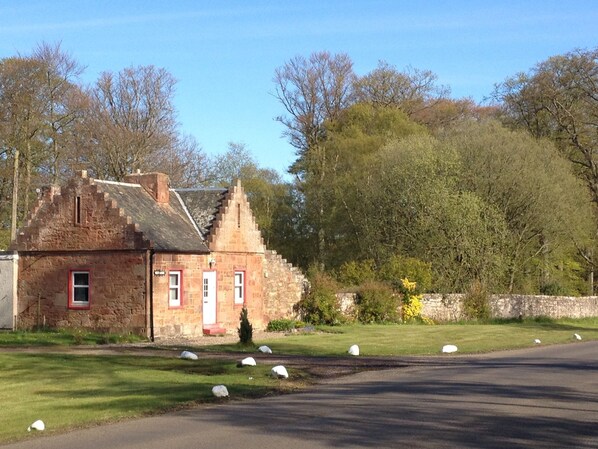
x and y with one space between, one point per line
202 204
167 226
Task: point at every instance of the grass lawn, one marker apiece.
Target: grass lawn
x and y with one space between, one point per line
69 391
401 339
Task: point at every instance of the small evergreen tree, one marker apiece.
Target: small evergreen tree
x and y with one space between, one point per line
245 329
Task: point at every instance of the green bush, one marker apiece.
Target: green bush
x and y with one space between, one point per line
475 302
321 305
400 267
553 289
354 273
377 303
245 329
284 325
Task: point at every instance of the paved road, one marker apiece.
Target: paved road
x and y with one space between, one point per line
544 397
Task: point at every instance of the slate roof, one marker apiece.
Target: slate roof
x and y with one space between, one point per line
168 226
202 204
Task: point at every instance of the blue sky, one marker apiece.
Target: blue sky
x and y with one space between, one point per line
224 53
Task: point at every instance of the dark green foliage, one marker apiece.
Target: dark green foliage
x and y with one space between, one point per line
321 305
475 302
283 325
377 302
552 289
245 329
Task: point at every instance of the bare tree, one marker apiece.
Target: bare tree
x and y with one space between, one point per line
63 104
21 121
131 119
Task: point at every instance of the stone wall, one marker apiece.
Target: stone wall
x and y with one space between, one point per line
450 307
284 286
117 291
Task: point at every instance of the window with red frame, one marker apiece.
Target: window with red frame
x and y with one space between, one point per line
175 288
239 287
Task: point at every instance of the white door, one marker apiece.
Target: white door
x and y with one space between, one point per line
209 297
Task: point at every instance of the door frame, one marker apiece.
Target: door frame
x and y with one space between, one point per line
212 287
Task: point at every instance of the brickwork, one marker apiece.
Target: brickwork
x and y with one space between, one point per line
237 245
79 227
186 319
117 293
77 217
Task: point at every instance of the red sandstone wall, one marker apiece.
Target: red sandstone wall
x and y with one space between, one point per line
117 293
186 319
102 225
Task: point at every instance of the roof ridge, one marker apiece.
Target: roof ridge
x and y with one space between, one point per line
118 183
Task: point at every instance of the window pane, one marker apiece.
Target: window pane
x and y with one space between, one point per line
174 279
174 294
80 278
81 294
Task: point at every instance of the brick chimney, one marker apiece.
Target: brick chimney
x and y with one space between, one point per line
156 184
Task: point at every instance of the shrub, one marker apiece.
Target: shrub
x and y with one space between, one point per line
245 329
321 305
412 303
475 302
377 303
553 289
284 325
398 267
356 272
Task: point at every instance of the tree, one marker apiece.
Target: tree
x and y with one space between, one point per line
22 110
558 99
545 208
64 104
131 120
411 90
313 91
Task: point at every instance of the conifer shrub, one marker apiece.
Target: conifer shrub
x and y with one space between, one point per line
245 329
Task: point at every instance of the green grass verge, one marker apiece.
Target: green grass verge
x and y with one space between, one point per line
68 391
413 339
63 337
71 391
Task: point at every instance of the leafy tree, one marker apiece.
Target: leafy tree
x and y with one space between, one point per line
545 209
313 91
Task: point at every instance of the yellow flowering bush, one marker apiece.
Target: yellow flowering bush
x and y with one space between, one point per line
412 303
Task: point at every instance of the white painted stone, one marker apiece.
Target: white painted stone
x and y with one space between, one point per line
448 349
248 361
537 341
220 391
577 336
354 350
188 355
280 372
265 349
37 425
